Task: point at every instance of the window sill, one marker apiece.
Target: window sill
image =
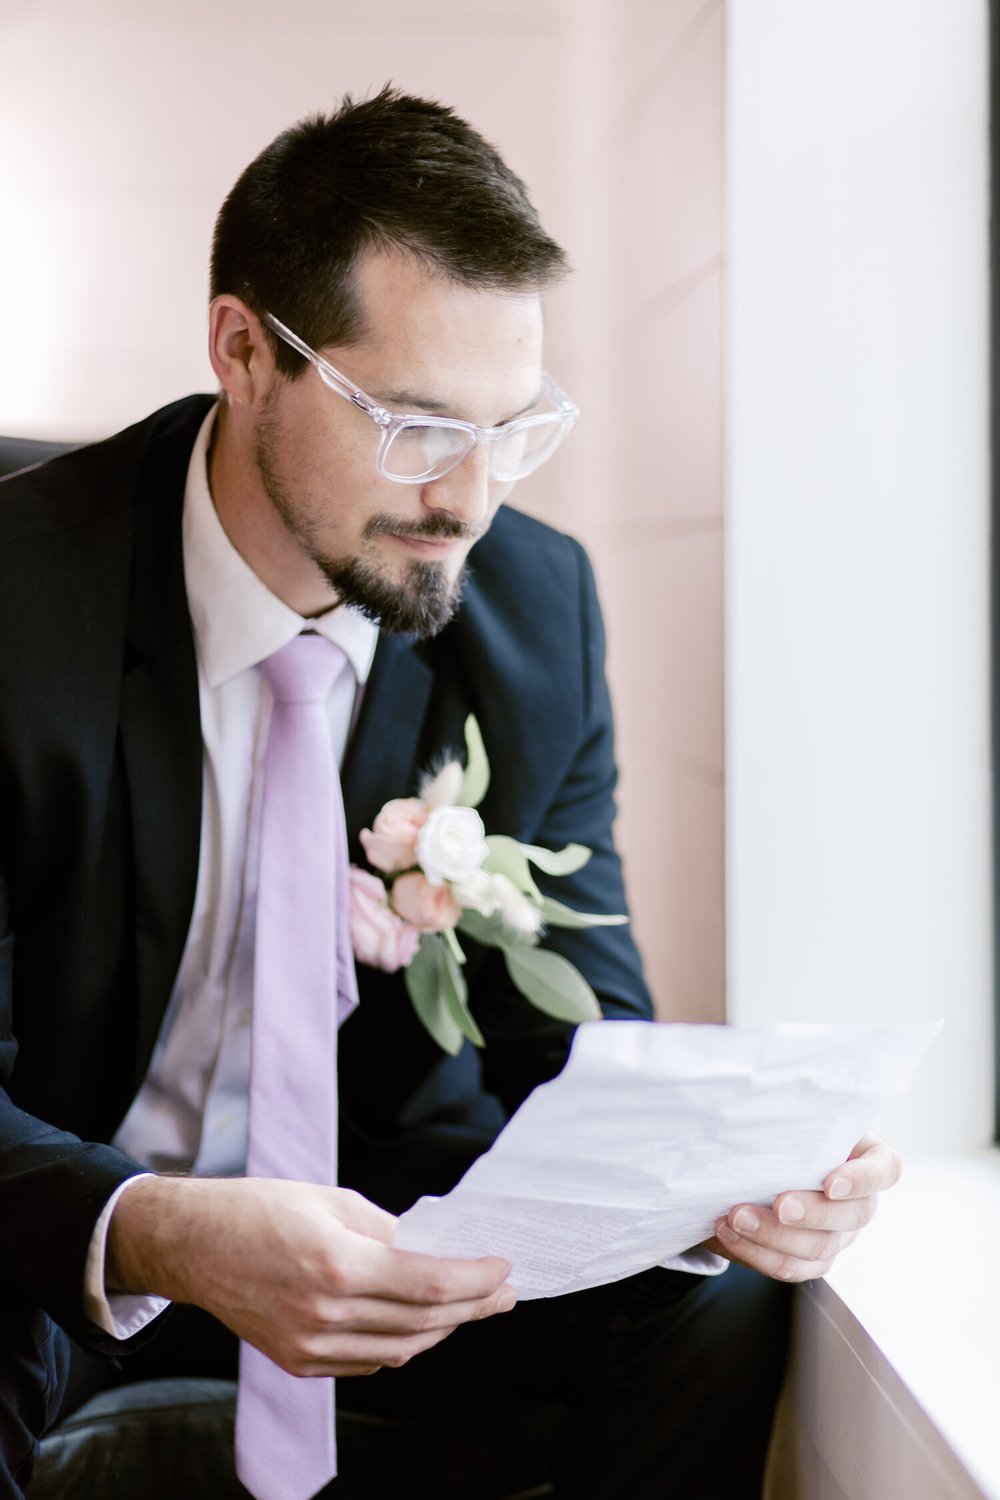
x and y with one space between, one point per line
897 1379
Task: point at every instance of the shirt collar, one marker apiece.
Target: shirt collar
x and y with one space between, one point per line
237 621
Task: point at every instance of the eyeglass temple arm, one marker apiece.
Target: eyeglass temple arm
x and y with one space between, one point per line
348 389
334 378
567 406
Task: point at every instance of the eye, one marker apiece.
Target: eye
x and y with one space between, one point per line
417 451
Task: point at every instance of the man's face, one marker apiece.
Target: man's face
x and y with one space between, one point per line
430 346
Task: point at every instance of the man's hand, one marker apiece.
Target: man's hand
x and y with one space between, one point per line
800 1236
307 1274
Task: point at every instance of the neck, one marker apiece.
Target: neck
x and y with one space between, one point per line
251 521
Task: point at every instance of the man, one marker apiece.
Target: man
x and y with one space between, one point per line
145 584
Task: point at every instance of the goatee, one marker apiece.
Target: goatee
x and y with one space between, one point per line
420 603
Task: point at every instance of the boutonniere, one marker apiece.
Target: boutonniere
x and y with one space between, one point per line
441 874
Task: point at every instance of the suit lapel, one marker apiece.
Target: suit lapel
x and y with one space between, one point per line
383 758
161 731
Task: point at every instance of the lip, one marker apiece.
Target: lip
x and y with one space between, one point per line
426 548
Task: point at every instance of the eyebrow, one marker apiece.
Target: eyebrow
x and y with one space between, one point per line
403 401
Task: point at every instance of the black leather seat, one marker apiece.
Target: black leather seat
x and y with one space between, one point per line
23 453
172 1440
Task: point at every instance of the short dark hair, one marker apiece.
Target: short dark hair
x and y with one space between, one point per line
391 172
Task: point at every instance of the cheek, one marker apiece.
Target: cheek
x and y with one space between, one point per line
345 485
332 449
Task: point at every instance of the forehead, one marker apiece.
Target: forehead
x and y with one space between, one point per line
457 344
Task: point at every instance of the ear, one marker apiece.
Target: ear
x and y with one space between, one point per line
238 349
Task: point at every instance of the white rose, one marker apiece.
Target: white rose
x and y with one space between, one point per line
452 844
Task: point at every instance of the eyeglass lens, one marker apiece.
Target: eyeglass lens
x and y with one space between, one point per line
418 452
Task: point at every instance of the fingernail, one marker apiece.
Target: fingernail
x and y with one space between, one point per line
726 1232
745 1218
791 1211
507 1299
839 1188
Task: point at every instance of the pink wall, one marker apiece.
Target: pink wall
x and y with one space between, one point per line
122 126
652 243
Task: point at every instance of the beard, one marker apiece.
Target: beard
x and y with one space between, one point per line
420 601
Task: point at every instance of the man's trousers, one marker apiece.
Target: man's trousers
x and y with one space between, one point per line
665 1383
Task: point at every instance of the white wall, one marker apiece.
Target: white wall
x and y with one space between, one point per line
857 634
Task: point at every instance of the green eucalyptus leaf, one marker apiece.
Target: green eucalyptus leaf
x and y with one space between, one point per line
476 780
456 995
557 861
428 989
506 857
551 983
558 915
453 945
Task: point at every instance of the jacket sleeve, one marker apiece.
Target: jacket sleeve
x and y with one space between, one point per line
52 1189
524 1046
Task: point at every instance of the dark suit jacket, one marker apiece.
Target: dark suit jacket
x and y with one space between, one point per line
100 793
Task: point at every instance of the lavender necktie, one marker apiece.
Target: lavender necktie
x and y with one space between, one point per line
304 985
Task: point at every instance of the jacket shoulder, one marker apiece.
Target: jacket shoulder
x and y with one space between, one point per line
535 570
515 533
85 483
529 634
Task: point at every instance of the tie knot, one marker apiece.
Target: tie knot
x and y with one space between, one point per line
304 670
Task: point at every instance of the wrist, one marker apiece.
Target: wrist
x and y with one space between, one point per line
151 1224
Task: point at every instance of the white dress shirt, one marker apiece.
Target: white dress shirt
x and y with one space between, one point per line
190 1114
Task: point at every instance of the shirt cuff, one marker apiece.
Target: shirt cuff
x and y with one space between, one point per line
697 1261
122 1313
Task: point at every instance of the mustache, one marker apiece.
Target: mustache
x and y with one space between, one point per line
437 528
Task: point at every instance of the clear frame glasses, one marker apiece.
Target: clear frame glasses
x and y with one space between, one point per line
416 449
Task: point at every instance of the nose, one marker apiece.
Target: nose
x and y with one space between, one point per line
463 494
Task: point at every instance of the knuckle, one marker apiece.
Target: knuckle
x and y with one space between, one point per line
309 1350
423 1319
832 1214
436 1288
294 1361
817 1214
335 1315
819 1247
750 1255
334 1275
869 1208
